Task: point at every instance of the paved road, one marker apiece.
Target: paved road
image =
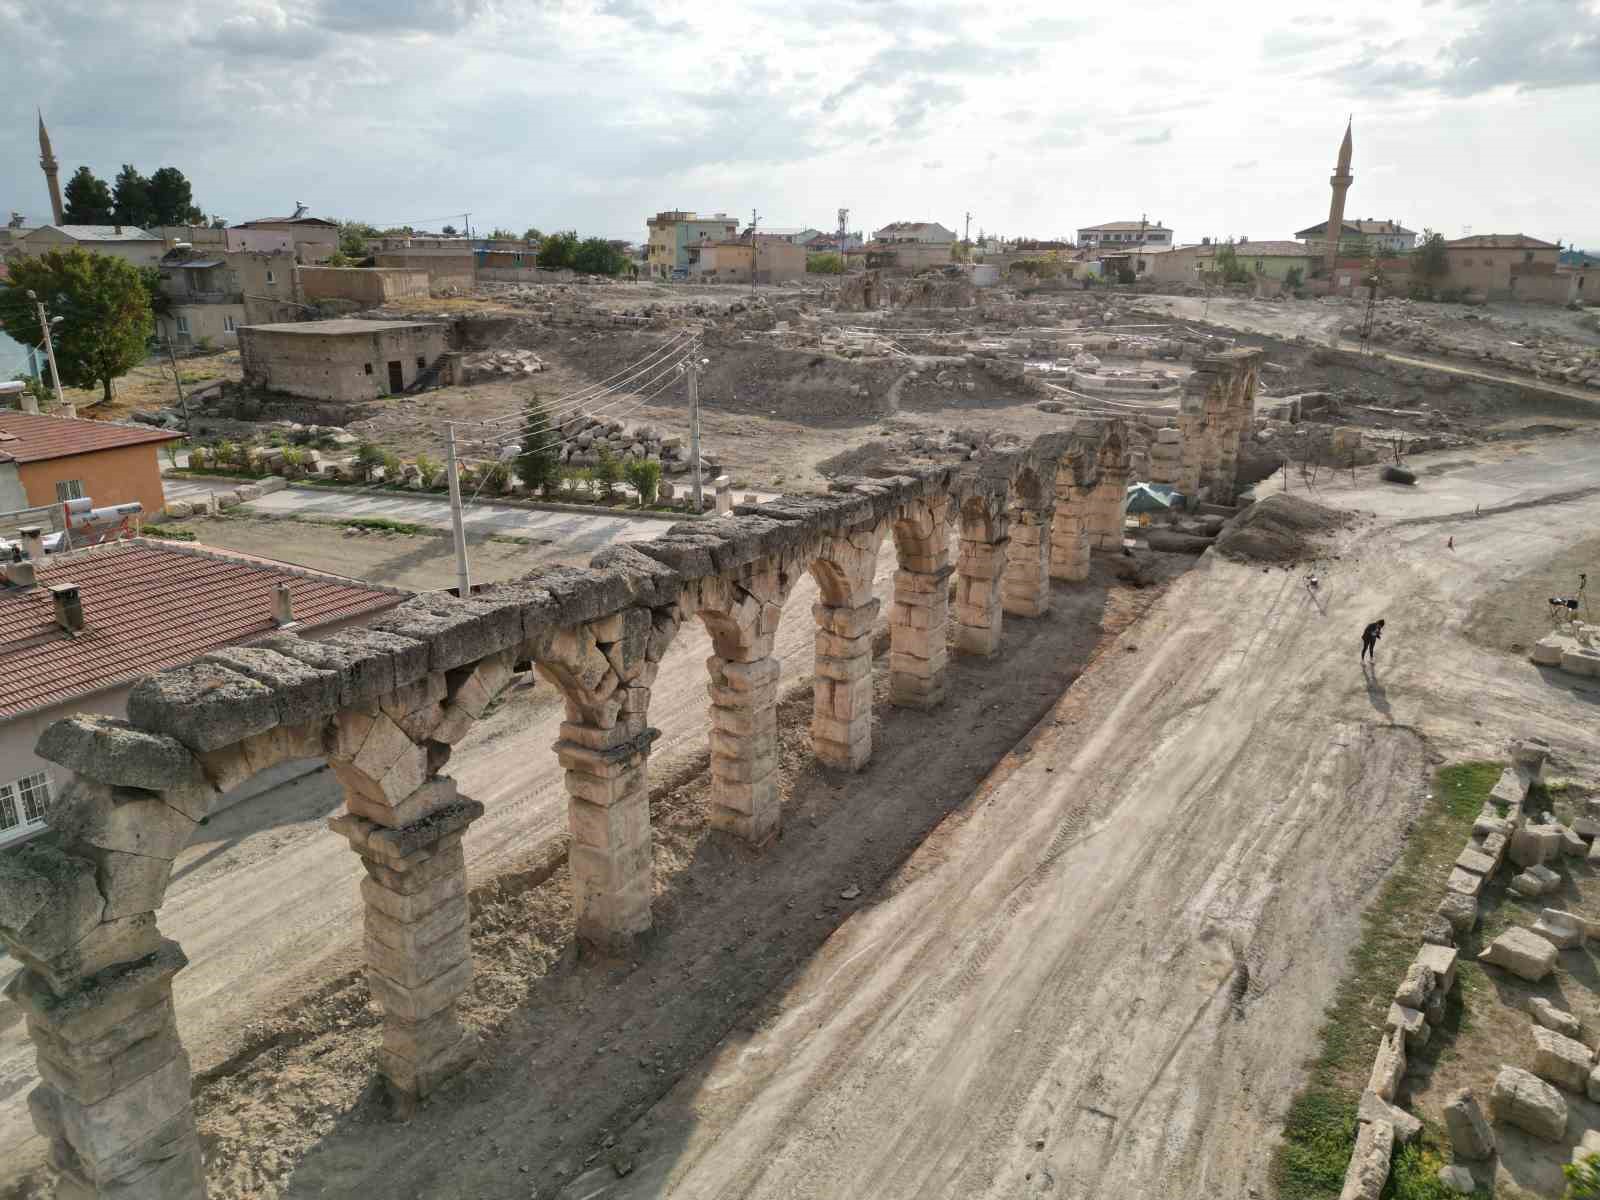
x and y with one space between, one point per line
1103 977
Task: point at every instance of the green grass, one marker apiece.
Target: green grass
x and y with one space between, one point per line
1320 1129
173 533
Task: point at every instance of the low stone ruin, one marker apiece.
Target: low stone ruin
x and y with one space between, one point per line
499 365
584 437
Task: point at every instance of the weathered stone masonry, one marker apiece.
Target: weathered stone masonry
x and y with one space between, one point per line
385 706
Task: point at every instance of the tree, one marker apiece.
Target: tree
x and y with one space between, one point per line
1228 265
448 231
131 198
539 464
824 264
104 306
533 236
502 235
1429 259
172 199
558 250
596 256
160 302
353 236
88 199
645 476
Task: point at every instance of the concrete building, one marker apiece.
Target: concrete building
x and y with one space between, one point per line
1509 266
366 285
1366 236
1125 233
339 360
137 246
47 460
925 232
316 239
776 260
141 606
672 233
447 266
907 256
1268 260
216 293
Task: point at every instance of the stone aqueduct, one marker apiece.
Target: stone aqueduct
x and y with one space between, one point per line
385 704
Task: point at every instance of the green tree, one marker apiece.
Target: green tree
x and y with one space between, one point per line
596 256
1294 278
502 235
104 308
1228 265
353 238
1429 260
533 236
172 199
824 264
607 473
88 199
448 231
130 198
645 476
539 464
160 302
558 250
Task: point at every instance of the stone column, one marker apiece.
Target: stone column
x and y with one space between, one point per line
1026 588
1108 503
917 653
742 617
406 822
841 721
980 567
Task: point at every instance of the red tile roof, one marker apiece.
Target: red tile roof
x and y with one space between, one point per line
148 606
33 437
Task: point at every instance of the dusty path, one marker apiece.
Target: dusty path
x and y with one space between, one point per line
1103 979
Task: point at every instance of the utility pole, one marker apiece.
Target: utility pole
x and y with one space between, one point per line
967 240
463 579
694 426
177 382
70 410
754 217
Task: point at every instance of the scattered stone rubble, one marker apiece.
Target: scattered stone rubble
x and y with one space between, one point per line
1573 647
499 365
1545 355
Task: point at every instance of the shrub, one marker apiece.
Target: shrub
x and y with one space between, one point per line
1583 1178
392 466
608 473
575 482
645 476
294 457
225 453
431 470
539 464
172 449
824 264
496 477
1293 278
368 456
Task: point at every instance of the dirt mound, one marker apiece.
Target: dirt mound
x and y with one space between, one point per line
1280 529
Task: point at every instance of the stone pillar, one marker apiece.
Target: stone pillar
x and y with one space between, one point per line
605 670
1108 503
114 1102
980 567
1026 588
917 621
406 822
841 721
742 617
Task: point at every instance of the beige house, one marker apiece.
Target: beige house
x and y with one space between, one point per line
776 259
340 360
1266 260
214 294
446 267
137 246
1509 266
316 239
365 285
1125 234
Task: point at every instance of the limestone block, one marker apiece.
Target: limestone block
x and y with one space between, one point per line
1476 862
1464 883
1416 987
1522 1099
108 944
1571 844
1411 1024
1535 844
1562 930
1461 911
434 795
116 752
88 1079
455 631
422 1076
370 664
1594 851
1524 954
130 883
1441 960
125 819
383 746
300 691
202 705
1508 789
415 961
1494 845
1535 881
1457 1179
409 908
99 1131
1560 1059
1548 1015
1470 1135
1588 1144
1592 1085
1388 1066
1436 931
1407 1128
1369 1164
49 900
420 872
415 1004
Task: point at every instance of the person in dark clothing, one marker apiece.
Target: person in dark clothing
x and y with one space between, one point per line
1369 640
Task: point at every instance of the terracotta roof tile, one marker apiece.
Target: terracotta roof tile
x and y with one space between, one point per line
149 606
33 437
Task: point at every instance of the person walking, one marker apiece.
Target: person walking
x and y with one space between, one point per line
1369 641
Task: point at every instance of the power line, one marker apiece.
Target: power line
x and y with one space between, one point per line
594 390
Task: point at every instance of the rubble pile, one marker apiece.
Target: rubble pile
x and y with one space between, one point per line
500 365
584 437
1546 355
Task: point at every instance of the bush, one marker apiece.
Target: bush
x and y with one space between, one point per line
226 453
1583 1178
497 478
369 456
596 256
392 466
294 457
645 476
575 482
1294 278
608 473
431 470
172 449
558 250
824 264
539 464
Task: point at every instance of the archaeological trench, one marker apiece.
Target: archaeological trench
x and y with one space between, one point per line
384 705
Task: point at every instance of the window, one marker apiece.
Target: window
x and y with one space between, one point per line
271 278
183 325
422 363
23 803
1527 256
229 325
69 489
368 367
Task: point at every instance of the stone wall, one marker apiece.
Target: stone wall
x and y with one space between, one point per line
341 365
365 285
385 706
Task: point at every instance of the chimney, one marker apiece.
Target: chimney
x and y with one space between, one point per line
282 605
69 606
19 573
32 543
117 228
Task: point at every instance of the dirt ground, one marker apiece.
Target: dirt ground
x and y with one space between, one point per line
418 562
1516 614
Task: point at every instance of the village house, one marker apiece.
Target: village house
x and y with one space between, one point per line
127 242
340 360
1125 233
214 293
315 239
775 258
368 286
78 630
46 460
929 233
1510 266
449 262
1267 260
672 233
1357 238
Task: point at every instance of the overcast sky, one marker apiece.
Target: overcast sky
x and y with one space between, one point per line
1037 117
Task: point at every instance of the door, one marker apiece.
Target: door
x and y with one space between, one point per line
397 381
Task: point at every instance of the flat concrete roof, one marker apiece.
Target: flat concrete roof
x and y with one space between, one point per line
342 326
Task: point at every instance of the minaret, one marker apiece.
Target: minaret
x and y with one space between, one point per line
47 163
1341 181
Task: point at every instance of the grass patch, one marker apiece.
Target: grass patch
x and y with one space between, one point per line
173 533
1320 1129
229 472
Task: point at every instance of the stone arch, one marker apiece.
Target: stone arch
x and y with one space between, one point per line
980 571
844 565
1108 499
919 615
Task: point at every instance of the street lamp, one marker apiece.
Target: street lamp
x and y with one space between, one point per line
47 323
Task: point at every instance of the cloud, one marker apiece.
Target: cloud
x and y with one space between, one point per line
1529 45
914 64
413 16
1154 139
933 164
1249 164
921 99
641 17
1288 43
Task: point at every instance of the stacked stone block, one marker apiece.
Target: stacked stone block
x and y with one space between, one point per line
980 570
1025 591
1214 415
917 621
841 720
1108 500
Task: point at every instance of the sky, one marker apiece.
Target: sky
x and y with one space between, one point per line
1037 118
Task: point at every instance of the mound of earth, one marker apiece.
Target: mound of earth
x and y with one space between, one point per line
1279 529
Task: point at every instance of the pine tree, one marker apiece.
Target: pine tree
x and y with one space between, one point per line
131 198
539 464
88 199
